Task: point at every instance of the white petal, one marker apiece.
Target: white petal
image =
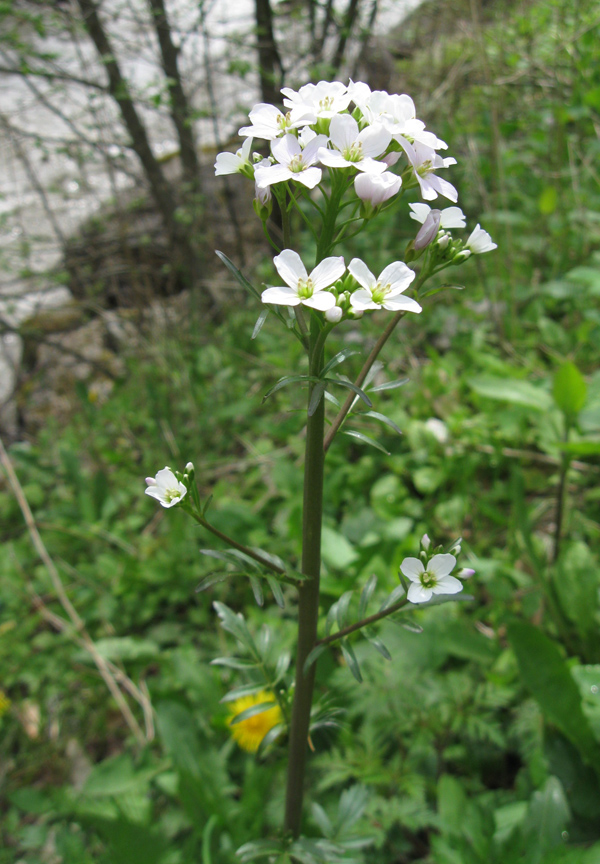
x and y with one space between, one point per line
442 565
283 296
374 140
398 275
166 479
328 272
362 300
343 131
321 300
443 187
370 166
401 304
333 159
448 585
290 267
412 569
286 148
227 163
418 594
264 177
310 154
310 177
420 212
155 492
362 274
452 217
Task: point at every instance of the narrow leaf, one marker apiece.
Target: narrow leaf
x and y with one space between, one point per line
366 595
276 590
396 595
271 736
244 690
342 609
389 385
351 661
214 579
234 623
257 591
252 712
288 379
343 382
238 275
379 646
315 397
382 419
259 322
233 663
365 440
339 358
313 657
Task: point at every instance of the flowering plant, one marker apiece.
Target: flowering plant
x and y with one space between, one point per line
339 155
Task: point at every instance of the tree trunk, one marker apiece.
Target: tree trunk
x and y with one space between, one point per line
270 68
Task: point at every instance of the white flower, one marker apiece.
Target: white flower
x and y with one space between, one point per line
269 122
233 163
383 292
262 194
435 580
302 288
355 149
425 161
450 217
377 188
438 429
293 163
325 99
166 488
480 241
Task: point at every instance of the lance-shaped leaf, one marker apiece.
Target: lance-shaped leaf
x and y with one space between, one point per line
392 598
260 849
243 690
377 643
365 596
342 609
350 658
271 736
352 433
313 657
235 624
216 577
339 358
381 417
289 379
257 591
316 396
238 275
276 591
252 712
259 322
350 385
389 385
234 663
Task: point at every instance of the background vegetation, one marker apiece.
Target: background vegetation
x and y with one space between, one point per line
480 740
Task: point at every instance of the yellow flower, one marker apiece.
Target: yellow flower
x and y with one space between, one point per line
4 703
250 732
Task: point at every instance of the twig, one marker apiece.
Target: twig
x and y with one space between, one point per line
76 621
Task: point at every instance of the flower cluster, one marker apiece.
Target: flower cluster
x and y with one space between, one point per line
325 289
168 487
344 128
430 573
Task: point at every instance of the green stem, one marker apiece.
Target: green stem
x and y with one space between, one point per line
308 594
561 495
372 619
256 556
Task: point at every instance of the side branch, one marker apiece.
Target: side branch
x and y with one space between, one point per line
358 625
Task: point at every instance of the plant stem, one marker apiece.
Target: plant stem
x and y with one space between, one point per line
239 546
308 594
565 464
358 625
341 416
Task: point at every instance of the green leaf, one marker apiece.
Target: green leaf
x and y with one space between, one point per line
313 657
238 275
234 663
352 433
511 390
260 849
569 390
276 590
339 358
337 551
365 596
378 645
344 382
215 578
315 397
389 385
546 819
252 711
394 597
122 648
257 591
581 448
382 419
547 677
243 690
289 379
259 322
350 658
235 624
342 609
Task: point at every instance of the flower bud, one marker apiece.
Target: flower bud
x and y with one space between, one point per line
428 230
465 573
425 542
334 314
150 481
456 550
189 467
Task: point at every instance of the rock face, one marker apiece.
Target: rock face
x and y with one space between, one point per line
120 282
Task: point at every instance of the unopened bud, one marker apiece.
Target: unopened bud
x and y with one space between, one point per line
456 549
189 467
357 313
334 314
465 573
150 481
425 542
428 230
443 241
